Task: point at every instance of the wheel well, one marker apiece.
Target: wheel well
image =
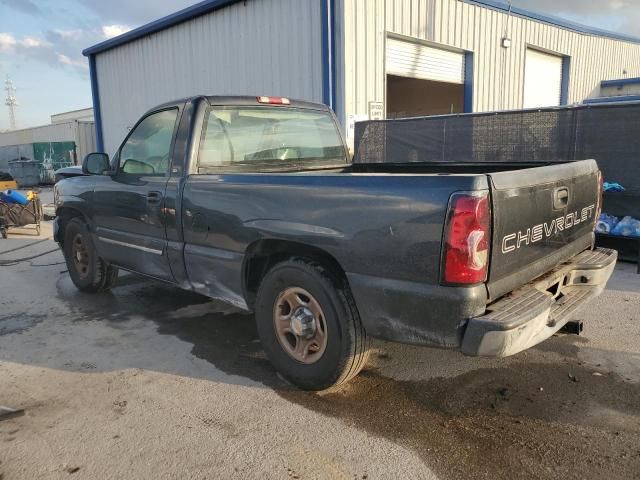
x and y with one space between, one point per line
65 214
263 255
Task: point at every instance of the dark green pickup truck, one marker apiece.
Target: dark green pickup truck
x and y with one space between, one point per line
255 201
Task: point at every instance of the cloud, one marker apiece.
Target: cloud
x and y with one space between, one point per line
32 42
127 12
617 4
578 7
67 45
622 16
110 31
50 51
7 42
82 64
24 6
69 34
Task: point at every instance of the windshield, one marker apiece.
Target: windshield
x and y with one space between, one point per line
250 138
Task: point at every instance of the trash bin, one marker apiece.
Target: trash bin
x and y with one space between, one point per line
25 172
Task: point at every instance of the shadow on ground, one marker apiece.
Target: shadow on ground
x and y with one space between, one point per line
531 420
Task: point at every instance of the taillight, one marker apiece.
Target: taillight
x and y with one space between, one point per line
468 238
274 100
600 195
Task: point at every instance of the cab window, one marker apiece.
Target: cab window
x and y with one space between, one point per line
147 150
269 138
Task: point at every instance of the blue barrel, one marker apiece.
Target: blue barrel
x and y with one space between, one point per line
12 196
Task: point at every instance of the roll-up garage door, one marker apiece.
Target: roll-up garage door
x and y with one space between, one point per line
542 79
414 60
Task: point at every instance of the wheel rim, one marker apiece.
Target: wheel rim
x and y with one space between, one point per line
80 254
300 325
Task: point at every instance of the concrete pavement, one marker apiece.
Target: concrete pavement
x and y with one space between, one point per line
149 381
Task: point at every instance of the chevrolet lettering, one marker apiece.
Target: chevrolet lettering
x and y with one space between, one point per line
514 241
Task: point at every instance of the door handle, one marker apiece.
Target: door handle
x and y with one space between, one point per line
198 224
154 198
560 198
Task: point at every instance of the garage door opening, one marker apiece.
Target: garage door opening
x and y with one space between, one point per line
412 97
543 75
423 79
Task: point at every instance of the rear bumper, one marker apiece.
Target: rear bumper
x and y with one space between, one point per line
416 313
536 311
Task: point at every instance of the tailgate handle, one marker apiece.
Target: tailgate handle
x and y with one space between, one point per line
560 198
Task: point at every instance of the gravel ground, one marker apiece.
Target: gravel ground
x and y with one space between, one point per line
148 381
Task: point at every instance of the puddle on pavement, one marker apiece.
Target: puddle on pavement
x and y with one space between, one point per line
526 420
18 323
219 334
566 346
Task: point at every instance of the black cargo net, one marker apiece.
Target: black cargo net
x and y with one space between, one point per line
609 134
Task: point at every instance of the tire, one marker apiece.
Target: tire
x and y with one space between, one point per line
88 272
340 347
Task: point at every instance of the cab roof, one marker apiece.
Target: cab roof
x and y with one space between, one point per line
242 101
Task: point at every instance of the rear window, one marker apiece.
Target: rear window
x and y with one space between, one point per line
268 138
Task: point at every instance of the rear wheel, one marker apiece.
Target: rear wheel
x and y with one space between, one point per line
87 271
309 326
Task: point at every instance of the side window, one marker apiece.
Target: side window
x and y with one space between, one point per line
216 143
147 151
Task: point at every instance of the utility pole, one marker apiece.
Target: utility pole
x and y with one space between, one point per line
11 102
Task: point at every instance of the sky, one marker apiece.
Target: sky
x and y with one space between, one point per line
41 42
621 16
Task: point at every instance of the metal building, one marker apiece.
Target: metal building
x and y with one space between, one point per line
365 58
65 142
82 115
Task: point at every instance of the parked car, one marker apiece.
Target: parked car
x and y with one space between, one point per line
68 172
254 201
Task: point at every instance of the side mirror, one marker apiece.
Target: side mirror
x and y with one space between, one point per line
95 164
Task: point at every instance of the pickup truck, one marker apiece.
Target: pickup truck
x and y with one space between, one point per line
255 201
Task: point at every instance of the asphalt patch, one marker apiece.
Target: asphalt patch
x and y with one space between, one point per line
18 323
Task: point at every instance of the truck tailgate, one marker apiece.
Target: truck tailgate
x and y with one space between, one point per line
541 218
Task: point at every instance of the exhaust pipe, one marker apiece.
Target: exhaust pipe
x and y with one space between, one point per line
573 327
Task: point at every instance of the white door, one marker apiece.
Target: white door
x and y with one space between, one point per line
415 60
542 79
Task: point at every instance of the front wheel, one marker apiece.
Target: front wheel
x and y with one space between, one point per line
88 272
309 326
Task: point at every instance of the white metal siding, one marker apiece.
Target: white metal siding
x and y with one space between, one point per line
20 142
85 139
415 60
261 47
498 72
616 91
83 115
542 79
59 132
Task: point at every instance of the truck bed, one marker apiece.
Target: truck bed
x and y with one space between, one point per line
522 208
442 168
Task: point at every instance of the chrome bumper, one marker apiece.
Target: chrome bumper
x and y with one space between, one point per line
535 312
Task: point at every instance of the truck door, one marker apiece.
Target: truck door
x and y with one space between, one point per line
129 213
